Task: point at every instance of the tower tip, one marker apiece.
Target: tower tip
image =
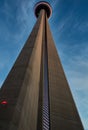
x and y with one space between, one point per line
43 5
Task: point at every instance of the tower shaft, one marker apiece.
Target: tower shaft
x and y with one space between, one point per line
36 90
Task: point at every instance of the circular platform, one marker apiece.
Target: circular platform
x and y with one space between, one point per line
43 5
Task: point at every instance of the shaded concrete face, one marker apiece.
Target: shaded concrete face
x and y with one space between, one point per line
23 88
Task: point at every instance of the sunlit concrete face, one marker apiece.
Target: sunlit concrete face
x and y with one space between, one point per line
35 94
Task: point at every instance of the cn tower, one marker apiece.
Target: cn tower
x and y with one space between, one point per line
36 94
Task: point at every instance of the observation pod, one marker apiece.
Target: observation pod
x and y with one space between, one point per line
43 5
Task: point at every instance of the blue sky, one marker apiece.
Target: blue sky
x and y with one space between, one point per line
69 26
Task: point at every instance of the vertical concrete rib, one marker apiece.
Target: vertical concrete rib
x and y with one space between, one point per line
43 116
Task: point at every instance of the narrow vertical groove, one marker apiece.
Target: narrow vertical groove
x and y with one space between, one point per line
46 120
47 68
40 101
